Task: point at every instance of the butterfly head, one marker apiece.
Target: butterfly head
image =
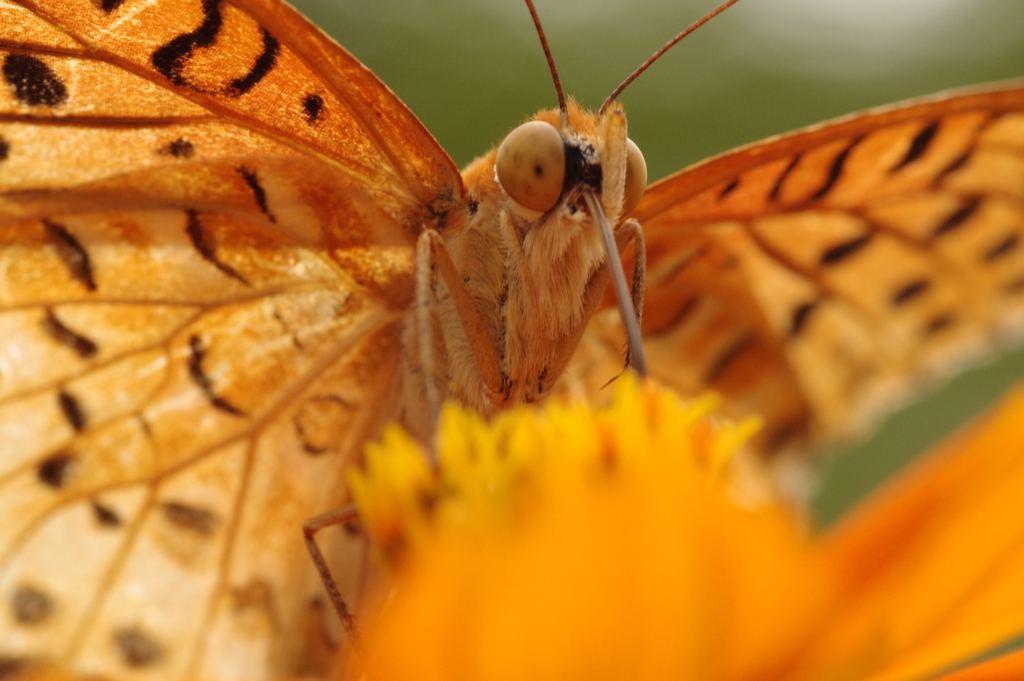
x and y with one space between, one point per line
543 166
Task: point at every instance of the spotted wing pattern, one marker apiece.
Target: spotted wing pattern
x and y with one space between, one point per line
819 277
207 212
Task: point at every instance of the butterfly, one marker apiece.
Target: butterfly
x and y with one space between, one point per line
209 216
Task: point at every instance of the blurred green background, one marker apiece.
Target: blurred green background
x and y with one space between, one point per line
473 69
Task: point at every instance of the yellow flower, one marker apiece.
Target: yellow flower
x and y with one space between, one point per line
628 543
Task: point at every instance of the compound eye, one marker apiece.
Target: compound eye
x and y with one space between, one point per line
531 165
636 177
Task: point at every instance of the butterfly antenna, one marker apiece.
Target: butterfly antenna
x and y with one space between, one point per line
551 63
654 57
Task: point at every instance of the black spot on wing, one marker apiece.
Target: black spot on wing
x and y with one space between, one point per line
296 341
191 518
836 171
179 148
72 410
5 149
682 262
264 64
729 188
109 6
199 377
957 217
919 145
55 471
910 291
31 605
728 357
197 234
678 318
55 329
137 648
313 108
105 516
1014 286
15 667
320 423
34 83
1003 248
71 252
170 59
260 194
954 166
844 250
800 316
939 323
777 187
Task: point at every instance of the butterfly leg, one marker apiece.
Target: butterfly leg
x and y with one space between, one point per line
432 256
341 516
630 231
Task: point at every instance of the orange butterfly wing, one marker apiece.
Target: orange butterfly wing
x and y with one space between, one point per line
817 277
207 213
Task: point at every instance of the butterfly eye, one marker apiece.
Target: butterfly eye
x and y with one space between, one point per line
531 165
636 177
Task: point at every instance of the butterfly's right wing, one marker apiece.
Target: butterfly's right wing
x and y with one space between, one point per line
207 219
820 277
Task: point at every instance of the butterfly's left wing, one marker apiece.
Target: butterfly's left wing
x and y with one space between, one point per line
819 277
207 218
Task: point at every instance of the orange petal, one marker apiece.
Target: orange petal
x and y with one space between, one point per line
931 565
